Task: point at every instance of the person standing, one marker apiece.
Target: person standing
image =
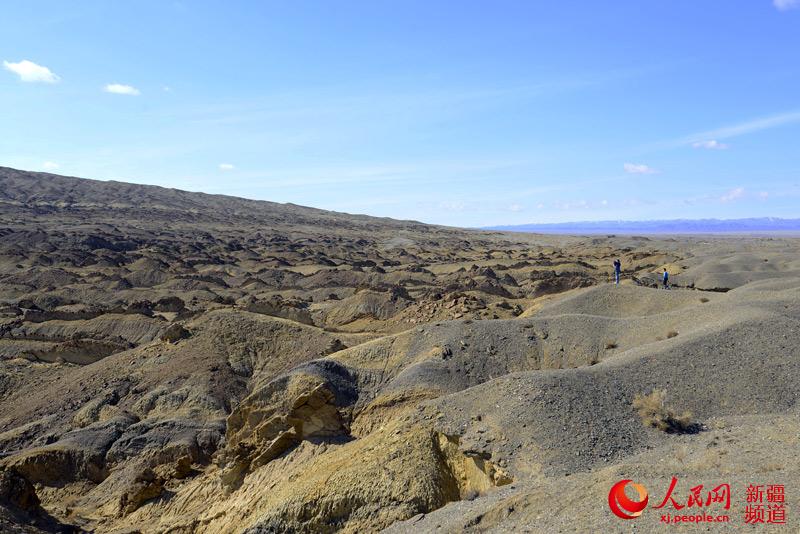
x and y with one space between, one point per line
665 278
617 270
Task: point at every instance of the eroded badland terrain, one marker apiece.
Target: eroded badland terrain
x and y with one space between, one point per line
182 362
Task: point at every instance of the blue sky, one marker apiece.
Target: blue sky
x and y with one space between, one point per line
466 113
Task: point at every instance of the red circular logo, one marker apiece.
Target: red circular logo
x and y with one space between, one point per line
624 507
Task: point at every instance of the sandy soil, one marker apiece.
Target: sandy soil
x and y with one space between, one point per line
182 362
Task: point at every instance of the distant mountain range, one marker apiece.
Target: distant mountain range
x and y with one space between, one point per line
676 226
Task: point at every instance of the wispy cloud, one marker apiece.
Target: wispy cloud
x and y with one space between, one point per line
515 207
121 89
703 139
711 144
395 99
743 128
638 168
28 71
226 166
50 165
732 195
786 5
421 172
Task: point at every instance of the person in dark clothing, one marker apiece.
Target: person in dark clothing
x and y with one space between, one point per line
617 270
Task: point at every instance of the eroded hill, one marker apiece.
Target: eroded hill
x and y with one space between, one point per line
181 362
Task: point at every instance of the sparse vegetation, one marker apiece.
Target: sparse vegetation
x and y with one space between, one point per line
703 299
671 334
654 412
770 467
399 348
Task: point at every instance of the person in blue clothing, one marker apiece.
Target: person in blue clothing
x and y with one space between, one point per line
665 278
617 270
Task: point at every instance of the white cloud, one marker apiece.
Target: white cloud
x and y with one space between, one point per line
785 5
732 195
539 206
604 202
763 195
121 89
638 168
226 166
50 165
735 130
711 144
743 128
515 207
28 71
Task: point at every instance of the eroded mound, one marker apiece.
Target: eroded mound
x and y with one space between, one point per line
178 362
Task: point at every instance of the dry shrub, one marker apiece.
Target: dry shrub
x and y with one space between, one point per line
681 454
711 460
703 299
671 334
771 467
654 412
611 345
